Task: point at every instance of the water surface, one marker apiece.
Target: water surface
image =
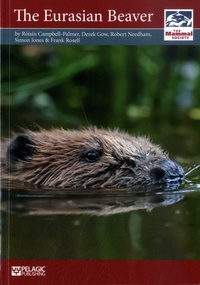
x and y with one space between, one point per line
102 224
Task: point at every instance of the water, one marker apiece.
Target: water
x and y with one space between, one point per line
105 224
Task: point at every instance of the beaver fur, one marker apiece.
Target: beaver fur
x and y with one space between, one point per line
89 158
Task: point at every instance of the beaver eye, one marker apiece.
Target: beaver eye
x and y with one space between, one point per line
133 162
130 161
92 156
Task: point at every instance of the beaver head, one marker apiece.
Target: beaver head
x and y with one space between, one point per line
89 158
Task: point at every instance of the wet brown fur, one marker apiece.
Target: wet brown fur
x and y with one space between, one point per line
58 159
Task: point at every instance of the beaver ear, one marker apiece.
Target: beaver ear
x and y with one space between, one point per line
20 148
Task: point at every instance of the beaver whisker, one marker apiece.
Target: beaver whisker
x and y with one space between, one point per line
191 170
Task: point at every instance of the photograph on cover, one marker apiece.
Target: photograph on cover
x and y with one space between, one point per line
100 156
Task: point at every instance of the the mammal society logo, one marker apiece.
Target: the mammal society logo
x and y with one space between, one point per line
28 271
178 25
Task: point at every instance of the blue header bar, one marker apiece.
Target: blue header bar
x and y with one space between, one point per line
94 37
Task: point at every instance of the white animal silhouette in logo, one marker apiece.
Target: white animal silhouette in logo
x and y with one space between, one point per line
178 20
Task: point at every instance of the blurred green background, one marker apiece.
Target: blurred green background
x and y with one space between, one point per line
153 90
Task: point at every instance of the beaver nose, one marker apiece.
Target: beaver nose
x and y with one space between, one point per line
167 171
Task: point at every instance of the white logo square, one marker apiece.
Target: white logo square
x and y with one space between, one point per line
16 271
178 25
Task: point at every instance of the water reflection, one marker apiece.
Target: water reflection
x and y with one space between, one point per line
35 201
52 224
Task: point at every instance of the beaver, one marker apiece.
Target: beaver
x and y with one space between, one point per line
87 158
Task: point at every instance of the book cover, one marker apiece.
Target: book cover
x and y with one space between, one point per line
127 67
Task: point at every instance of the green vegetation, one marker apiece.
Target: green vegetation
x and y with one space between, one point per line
150 89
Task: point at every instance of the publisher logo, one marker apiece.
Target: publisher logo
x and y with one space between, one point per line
16 271
178 25
28 271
